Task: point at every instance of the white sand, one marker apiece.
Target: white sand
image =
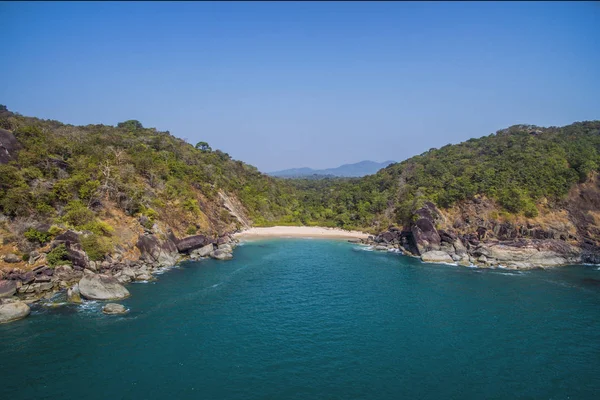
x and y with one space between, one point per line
300 231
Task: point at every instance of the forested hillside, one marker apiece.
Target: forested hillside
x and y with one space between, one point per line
522 168
116 181
98 178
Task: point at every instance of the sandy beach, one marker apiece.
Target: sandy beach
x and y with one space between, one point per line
300 231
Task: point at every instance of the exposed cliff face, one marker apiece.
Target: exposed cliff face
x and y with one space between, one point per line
478 232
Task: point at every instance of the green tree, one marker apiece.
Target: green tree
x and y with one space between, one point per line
203 146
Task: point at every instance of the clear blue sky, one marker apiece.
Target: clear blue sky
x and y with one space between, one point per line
282 85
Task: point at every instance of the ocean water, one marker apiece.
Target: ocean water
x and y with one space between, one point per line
318 319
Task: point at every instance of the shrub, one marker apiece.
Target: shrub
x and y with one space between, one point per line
33 235
58 256
98 227
96 247
77 214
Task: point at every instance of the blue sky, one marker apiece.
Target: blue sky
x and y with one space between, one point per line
318 84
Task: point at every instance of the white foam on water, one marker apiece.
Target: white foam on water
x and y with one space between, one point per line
363 248
90 305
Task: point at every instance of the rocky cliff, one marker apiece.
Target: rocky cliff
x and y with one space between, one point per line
475 232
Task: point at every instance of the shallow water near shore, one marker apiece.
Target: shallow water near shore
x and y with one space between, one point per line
307 319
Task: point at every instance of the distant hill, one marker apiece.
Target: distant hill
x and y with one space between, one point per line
358 169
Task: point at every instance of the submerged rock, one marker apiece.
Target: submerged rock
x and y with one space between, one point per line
114 308
102 287
12 310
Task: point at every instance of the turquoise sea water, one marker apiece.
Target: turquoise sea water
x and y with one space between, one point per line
318 319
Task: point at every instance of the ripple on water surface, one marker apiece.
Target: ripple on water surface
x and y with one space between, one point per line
298 318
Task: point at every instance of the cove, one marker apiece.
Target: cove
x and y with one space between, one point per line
318 319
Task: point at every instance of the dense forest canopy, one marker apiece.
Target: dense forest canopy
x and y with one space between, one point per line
65 174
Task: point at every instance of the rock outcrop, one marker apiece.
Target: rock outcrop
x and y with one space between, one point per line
12 310
114 308
163 253
8 146
437 256
221 255
202 251
73 294
101 287
191 243
7 288
488 244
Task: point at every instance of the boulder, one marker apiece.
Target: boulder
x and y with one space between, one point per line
223 240
225 247
78 258
386 237
113 308
221 255
8 146
202 251
73 294
12 310
66 273
101 287
436 256
27 277
11 258
425 235
163 253
7 288
144 276
190 243
68 236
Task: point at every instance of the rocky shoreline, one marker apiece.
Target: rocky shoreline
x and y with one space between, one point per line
83 279
503 246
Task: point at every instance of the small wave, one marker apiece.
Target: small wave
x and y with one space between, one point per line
216 285
364 248
89 305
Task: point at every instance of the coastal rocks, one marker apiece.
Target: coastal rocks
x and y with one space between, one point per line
114 308
101 287
12 310
437 256
225 247
425 236
221 255
144 277
190 243
67 273
525 254
7 288
77 257
73 294
163 253
202 251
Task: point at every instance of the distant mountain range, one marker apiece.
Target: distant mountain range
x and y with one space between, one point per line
358 169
